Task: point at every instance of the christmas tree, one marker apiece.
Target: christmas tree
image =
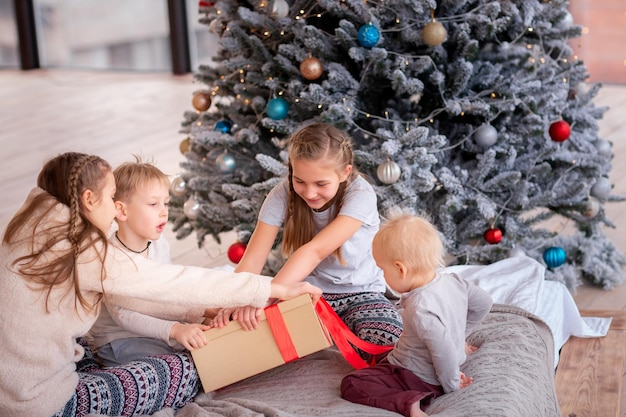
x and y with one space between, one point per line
473 112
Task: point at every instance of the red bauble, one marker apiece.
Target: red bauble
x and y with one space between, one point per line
235 252
493 236
559 131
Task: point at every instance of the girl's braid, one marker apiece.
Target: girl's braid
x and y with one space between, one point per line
74 197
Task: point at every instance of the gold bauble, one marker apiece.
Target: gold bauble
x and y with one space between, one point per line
434 34
311 68
201 100
185 145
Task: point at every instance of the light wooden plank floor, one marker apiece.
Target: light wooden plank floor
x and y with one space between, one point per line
116 115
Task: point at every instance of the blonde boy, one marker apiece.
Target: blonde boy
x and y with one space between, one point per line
141 203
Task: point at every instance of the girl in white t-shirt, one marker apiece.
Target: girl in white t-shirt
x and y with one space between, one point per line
329 214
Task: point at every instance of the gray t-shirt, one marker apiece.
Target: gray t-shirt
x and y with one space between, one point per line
360 274
437 318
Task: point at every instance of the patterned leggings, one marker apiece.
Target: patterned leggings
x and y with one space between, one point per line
369 315
140 387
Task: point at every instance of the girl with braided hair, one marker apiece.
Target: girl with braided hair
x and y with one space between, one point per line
57 268
330 216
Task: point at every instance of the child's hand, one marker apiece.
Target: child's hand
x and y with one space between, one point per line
222 317
191 336
469 349
465 381
248 317
287 291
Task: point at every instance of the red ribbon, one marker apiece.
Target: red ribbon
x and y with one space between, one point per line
344 338
281 333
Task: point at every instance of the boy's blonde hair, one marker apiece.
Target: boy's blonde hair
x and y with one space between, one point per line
411 239
129 176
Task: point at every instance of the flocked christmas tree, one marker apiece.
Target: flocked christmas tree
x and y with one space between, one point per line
474 112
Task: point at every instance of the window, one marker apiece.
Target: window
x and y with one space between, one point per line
116 34
9 56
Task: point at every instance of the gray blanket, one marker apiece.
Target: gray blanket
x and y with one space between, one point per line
513 375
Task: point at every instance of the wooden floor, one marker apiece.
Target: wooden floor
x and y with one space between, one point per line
116 115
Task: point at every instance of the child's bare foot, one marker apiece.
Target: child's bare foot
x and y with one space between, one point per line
416 411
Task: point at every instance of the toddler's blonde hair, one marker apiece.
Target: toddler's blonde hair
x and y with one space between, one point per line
411 239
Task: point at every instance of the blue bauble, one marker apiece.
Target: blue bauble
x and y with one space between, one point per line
554 256
223 126
277 108
225 162
368 35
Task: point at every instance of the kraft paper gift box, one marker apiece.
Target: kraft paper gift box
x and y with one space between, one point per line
293 330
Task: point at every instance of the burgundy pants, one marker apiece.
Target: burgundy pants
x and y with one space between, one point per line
389 387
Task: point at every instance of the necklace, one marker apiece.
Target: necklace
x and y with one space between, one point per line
134 251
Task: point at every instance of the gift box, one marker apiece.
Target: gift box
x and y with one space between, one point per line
287 330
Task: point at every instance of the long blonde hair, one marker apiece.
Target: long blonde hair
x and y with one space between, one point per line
315 142
64 178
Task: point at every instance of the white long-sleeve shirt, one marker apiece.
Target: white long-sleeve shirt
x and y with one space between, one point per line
38 347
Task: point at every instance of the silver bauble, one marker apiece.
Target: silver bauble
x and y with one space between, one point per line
280 8
603 147
601 189
178 186
486 135
225 162
191 208
388 172
591 208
